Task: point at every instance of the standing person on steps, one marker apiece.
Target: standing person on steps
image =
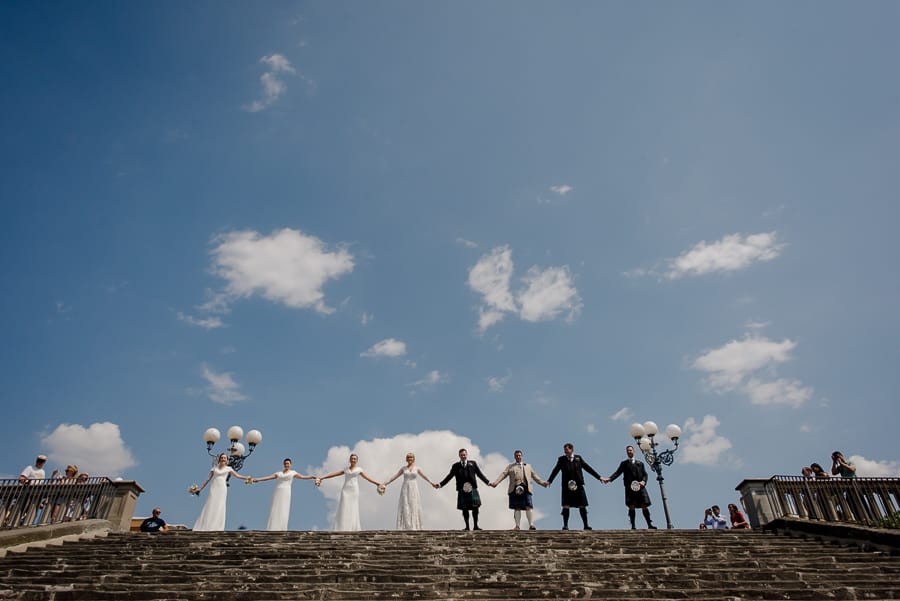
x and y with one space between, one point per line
520 475
572 467
634 474
467 498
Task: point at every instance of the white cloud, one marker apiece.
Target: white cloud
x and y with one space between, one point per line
272 86
497 383
590 428
562 189
287 267
756 325
730 366
210 323
623 414
221 387
97 450
700 443
870 468
733 252
435 452
490 277
366 318
777 392
467 243
431 379
389 347
546 293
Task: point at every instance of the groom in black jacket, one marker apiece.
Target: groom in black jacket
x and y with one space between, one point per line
634 473
467 498
573 467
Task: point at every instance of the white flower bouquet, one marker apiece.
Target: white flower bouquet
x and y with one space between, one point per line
194 489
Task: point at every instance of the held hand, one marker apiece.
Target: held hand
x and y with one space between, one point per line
436 486
493 485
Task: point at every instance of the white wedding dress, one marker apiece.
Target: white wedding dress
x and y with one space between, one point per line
409 509
347 517
212 516
281 501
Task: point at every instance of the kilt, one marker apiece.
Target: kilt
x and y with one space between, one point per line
637 498
574 498
468 500
523 501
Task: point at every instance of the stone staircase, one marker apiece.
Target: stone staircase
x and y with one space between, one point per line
487 565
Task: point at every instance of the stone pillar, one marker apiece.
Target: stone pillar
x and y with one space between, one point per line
123 504
756 502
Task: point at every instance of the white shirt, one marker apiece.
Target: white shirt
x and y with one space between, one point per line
32 473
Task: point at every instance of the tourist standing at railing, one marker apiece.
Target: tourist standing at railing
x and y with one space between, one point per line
29 506
841 467
807 472
818 472
67 478
35 472
713 518
212 516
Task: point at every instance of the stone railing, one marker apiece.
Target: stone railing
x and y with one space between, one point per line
45 502
864 501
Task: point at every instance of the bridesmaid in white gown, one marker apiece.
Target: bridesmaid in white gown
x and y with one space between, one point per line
281 498
409 509
347 517
212 516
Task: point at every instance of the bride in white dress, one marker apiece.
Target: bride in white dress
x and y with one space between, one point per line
281 498
409 509
347 517
212 516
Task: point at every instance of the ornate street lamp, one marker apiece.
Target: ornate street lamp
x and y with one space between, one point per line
236 450
643 435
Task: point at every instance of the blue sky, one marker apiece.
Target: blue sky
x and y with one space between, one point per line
404 226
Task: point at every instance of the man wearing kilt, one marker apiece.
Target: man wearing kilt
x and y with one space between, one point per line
467 499
520 475
634 474
572 467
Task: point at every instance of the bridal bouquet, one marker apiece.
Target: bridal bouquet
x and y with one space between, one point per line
248 481
381 489
194 489
318 482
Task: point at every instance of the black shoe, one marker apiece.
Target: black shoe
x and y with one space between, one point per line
476 528
652 527
466 529
633 528
588 528
565 527
532 527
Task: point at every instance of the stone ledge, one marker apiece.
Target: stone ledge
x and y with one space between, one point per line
867 539
20 539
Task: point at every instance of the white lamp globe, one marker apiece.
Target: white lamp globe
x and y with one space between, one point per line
637 430
673 432
235 433
211 436
650 428
254 437
644 443
237 450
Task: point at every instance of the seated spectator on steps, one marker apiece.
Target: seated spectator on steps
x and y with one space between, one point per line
713 519
154 523
737 518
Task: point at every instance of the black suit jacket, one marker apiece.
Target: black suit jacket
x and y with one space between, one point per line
465 474
572 470
630 472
